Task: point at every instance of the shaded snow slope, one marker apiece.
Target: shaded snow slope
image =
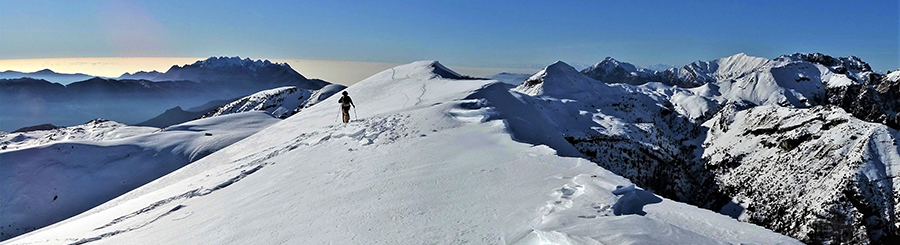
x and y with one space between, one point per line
427 160
95 130
817 174
48 183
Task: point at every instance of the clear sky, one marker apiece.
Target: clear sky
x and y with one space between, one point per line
514 34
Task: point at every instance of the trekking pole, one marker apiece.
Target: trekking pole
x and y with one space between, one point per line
355 115
338 115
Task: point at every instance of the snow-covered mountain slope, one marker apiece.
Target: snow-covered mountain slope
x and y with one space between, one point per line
279 102
95 130
651 134
46 74
428 160
817 174
632 131
45 184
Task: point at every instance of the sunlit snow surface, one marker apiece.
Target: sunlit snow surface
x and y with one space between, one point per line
420 163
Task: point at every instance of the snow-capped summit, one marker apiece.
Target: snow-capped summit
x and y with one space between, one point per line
557 79
613 71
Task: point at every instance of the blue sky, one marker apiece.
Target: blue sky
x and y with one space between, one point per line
512 34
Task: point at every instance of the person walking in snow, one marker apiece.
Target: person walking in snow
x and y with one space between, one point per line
346 102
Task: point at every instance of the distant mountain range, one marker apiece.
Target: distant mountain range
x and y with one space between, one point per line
137 97
799 80
47 74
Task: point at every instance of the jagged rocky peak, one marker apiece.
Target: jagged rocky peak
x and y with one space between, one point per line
232 62
841 65
96 121
609 64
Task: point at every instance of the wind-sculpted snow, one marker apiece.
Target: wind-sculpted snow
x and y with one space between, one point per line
427 160
816 174
44 184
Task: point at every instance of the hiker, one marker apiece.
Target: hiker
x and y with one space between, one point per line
346 102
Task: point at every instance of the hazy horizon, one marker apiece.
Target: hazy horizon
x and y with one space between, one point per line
333 71
514 34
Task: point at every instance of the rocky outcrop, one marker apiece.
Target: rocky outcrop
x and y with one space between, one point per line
875 101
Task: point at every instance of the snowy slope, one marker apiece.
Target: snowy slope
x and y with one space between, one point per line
429 160
95 130
827 176
45 184
279 102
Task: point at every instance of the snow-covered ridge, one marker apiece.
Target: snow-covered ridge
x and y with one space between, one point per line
434 157
94 130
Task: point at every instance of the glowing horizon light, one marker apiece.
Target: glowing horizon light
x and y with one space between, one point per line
333 71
